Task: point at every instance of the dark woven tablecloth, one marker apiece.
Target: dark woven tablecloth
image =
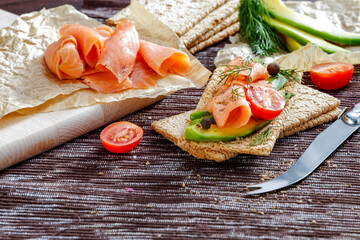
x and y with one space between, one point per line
157 191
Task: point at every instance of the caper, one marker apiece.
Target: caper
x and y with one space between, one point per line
205 123
273 69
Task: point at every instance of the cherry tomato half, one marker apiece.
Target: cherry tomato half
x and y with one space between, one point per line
121 137
331 76
265 102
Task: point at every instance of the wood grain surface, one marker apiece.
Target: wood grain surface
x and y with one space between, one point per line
157 191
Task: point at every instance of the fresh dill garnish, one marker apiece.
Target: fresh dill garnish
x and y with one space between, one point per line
290 74
261 138
283 76
233 72
235 94
254 29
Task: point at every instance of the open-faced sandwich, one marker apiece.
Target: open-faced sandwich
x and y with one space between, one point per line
245 108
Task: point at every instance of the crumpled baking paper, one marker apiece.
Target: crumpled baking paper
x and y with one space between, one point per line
342 14
27 85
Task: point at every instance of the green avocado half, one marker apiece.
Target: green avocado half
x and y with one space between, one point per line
308 24
215 134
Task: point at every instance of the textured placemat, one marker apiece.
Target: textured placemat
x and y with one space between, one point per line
80 191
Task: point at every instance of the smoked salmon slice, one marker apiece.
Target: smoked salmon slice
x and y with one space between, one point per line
119 53
257 72
90 42
106 82
228 109
143 76
112 60
165 60
105 31
63 58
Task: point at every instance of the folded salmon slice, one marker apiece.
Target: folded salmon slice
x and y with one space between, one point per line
105 31
63 58
112 60
165 60
119 53
258 71
229 109
106 82
90 42
143 76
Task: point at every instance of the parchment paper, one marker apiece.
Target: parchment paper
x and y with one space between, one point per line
26 82
23 136
342 14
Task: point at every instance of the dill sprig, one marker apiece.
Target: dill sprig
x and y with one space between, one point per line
261 138
232 72
290 74
256 31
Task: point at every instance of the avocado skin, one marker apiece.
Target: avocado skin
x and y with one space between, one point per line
304 37
216 134
308 24
199 114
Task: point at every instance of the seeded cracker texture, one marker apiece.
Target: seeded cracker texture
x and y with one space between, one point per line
179 15
232 19
206 24
209 22
307 108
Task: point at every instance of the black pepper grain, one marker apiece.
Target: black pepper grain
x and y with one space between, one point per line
273 69
205 123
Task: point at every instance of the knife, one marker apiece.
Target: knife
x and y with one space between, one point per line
323 145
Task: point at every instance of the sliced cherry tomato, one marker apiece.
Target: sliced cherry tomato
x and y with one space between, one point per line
331 76
121 137
265 102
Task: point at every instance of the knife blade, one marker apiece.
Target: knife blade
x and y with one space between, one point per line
322 146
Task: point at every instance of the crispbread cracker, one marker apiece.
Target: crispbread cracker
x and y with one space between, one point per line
307 108
179 15
211 21
227 22
229 31
224 155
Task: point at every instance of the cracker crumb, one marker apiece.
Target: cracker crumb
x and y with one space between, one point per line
334 165
313 221
198 175
331 199
183 185
94 212
147 163
100 173
310 200
260 212
149 205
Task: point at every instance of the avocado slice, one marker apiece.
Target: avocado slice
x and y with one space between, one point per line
290 43
308 24
216 134
304 37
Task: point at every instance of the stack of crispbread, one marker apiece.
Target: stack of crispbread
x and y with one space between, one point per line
307 108
199 23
